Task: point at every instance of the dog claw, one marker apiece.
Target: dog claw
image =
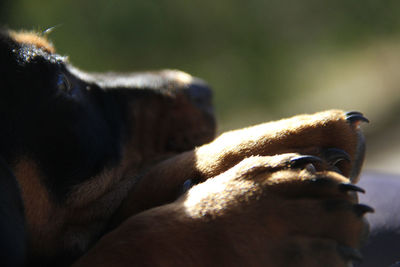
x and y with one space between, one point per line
355 116
301 161
353 113
345 187
361 209
350 253
335 155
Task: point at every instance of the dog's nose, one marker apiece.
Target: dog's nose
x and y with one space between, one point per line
201 95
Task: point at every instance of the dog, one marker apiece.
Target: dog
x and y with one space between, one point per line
121 170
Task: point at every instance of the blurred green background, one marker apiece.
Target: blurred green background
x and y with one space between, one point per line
264 59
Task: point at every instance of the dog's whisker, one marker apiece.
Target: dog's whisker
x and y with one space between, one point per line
48 31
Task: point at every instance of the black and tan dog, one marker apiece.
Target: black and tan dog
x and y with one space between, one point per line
112 171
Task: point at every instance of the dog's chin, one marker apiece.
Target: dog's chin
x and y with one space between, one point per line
189 140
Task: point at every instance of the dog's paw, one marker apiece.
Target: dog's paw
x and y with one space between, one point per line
336 137
314 134
282 210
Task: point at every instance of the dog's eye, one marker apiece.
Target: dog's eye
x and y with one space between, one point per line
63 84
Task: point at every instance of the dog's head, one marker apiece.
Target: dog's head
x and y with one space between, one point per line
75 141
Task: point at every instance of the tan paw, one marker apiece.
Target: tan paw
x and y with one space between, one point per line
282 207
265 211
305 134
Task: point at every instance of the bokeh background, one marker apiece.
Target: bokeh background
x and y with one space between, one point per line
265 59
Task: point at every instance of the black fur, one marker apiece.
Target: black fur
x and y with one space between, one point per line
12 228
69 133
70 122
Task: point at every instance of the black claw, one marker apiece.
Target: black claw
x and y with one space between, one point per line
355 116
345 187
349 253
361 209
353 113
335 155
301 161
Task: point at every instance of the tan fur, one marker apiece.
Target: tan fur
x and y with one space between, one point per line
42 216
34 194
303 134
34 39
